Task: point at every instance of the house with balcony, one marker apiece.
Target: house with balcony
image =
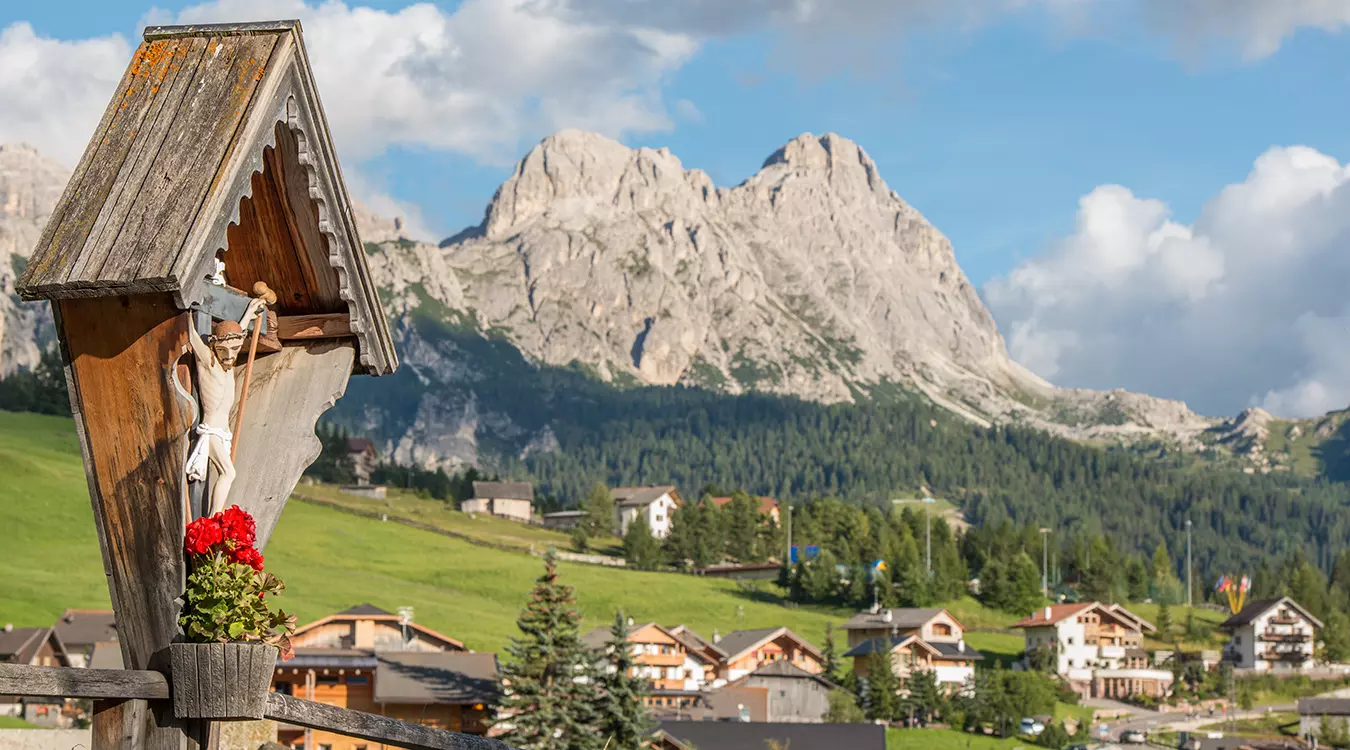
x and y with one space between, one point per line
916 638
369 659
674 672
933 625
748 650
1271 635
1097 648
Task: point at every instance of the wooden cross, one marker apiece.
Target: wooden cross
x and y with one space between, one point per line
213 149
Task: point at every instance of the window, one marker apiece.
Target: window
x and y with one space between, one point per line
325 747
282 687
1070 639
358 680
942 628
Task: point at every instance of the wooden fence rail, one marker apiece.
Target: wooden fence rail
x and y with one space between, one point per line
65 682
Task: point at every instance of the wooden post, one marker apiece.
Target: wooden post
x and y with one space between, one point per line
132 416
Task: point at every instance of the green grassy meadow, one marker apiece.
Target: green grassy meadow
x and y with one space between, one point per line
332 560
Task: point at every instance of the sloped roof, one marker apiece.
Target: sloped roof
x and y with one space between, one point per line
784 669
366 609
888 644
20 645
633 497
766 505
906 618
1259 607
503 490
106 655
955 650
1051 615
359 445
213 133
737 642
435 677
79 628
696 643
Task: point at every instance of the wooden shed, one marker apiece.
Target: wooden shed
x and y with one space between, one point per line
211 172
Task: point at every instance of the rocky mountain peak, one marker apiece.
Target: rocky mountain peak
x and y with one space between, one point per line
844 164
579 175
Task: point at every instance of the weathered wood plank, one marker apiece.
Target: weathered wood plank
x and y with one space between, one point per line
261 247
371 727
132 417
290 390
302 217
219 29
327 326
68 682
204 134
85 194
148 141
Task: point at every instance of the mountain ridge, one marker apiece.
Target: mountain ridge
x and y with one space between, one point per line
811 278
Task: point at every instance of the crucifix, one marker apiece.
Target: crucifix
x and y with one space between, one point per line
212 164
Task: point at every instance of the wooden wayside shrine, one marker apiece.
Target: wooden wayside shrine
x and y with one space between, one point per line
207 225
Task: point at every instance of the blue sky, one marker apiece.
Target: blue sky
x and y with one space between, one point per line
994 121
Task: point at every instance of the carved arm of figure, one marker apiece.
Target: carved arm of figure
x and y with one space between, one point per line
255 306
199 347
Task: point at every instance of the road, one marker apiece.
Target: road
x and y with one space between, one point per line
1145 720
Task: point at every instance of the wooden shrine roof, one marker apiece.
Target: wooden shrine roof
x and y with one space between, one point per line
215 140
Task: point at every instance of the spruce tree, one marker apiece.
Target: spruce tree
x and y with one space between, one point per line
640 548
742 525
829 655
1164 622
548 680
624 724
882 685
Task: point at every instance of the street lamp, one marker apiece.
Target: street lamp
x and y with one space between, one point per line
928 529
1045 563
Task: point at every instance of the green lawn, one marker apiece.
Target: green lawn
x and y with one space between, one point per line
1266 725
949 739
333 560
1207 619
401 503
14 722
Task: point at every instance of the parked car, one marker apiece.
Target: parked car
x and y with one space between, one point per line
1133 737
1075 747
1032 727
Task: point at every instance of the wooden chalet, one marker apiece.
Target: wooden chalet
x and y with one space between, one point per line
208 210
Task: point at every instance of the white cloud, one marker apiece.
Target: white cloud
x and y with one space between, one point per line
52 93
478 80
1244 306
1259 27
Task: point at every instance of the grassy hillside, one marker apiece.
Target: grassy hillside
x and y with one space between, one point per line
332 560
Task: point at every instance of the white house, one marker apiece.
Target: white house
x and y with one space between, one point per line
1097 649
1271 634
656 504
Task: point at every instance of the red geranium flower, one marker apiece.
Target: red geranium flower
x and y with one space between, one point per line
238 526
202 535
248 556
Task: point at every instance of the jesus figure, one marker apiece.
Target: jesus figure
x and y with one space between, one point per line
215 379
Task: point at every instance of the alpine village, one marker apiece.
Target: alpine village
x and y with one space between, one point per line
624 467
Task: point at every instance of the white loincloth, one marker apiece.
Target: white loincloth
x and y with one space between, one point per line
196 463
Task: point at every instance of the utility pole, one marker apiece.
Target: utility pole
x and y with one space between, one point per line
1189 604
928 533
1045 563
928 529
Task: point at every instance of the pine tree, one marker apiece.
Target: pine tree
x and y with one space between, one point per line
742 517
829 656
599 507
640 548
1164 622
623 717
548 679
882 686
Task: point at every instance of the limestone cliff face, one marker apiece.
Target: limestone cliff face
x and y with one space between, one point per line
30 186
812 278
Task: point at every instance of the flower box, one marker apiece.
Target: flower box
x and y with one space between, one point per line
221 680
